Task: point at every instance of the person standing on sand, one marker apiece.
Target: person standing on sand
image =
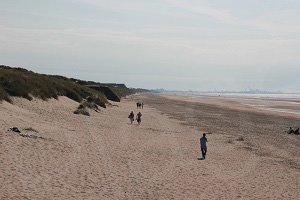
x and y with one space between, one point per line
131 117
139 118
203 141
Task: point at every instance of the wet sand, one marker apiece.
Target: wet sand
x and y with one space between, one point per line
104 157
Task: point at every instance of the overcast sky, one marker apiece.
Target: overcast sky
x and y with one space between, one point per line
172 44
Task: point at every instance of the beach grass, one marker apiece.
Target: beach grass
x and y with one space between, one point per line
20 82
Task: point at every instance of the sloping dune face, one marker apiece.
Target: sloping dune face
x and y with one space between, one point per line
60 155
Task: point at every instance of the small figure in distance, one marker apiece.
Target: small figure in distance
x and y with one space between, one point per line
131 117
139 118
203 141
138 105
290 131
142 105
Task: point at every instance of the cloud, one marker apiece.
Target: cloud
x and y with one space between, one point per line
202 8
117 5
269 21
285 21
132 46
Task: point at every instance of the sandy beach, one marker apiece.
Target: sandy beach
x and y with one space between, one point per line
68 156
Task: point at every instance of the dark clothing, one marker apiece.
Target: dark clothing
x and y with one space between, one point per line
131 117
203 141
139 117
203 150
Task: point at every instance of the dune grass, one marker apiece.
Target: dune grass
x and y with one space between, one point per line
20 82
121 92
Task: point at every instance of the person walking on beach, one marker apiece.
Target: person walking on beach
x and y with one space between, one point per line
139 118
142 105
131 117
203 141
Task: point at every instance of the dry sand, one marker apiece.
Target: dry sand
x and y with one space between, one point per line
104 157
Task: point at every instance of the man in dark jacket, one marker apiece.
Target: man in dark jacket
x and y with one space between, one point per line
203 141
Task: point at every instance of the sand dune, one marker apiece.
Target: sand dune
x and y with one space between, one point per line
104 157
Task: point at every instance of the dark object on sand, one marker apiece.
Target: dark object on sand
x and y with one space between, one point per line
14 129
290 131
296 132
31 136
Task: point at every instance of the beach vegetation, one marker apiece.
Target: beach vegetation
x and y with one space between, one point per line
82 111
4 95
20 82
87 104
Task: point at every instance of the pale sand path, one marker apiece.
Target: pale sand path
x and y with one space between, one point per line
104 157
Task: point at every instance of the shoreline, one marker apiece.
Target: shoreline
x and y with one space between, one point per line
282 106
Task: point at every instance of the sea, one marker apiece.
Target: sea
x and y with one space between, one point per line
240 94
288 103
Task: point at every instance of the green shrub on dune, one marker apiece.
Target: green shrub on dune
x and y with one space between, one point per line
3 95
23 83
121 92
96 100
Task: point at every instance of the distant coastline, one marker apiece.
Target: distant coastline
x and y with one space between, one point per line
235 94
